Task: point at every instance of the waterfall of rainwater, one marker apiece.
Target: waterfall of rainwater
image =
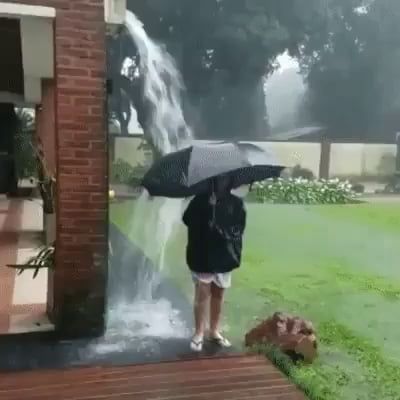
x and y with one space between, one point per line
162 89
153 220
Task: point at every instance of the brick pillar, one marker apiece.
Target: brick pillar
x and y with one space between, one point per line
80 275
325 159
82 175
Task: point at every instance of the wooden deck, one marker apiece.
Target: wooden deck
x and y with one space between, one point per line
233 378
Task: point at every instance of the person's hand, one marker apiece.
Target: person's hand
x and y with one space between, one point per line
213 199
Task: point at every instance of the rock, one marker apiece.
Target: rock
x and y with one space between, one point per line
291 334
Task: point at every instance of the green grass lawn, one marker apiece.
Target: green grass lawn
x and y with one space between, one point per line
336 265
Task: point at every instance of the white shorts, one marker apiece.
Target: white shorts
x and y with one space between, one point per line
223 281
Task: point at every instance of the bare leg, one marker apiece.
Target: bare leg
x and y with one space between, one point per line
217 298
201 299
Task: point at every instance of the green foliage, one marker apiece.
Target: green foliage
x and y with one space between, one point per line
24 153
122 172
45 258
351 68
137 174
224 50
241 37
24 156
303 191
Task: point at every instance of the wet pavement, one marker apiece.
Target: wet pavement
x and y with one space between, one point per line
126 341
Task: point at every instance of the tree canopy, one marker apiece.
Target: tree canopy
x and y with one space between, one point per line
348 50
224 49
352 71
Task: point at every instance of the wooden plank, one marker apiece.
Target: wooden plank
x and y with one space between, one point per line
137 370
233 378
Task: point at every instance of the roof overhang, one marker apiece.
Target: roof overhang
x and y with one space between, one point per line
35 44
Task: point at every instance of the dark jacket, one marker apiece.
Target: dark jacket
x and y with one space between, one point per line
214 247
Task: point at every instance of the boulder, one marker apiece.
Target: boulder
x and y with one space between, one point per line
293 335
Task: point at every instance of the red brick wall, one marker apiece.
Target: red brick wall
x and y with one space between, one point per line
82 168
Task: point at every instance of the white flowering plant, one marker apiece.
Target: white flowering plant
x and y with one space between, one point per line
303 191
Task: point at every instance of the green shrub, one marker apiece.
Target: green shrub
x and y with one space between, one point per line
121 172
303 191
124 173
25 160
137 175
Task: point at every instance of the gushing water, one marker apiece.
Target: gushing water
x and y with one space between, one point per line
169 131
153 220
162 89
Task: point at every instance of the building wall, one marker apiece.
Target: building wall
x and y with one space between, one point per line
82 182
362 159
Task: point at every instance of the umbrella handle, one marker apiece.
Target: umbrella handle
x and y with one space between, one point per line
213 203
213 214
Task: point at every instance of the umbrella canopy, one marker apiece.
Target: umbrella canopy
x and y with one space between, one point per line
188 172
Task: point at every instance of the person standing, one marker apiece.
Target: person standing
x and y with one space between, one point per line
216 222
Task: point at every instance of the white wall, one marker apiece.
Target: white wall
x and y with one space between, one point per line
127 149
290 154
37 37
361 159
347 159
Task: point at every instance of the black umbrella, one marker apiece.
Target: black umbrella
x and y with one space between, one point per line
189 171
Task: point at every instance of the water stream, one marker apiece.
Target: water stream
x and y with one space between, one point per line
145 315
